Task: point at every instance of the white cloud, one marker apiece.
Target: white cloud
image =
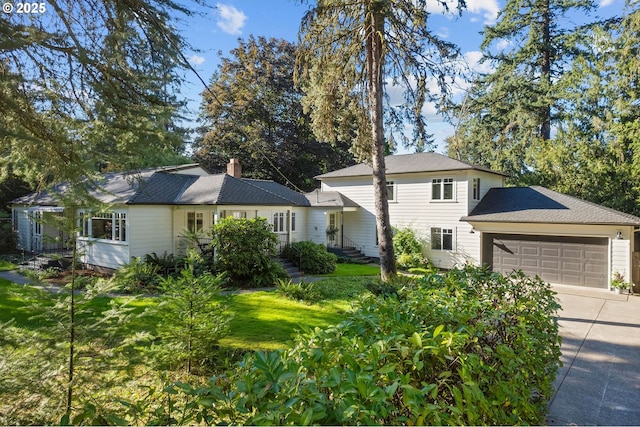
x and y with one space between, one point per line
231 19
196 60
605 3
488 9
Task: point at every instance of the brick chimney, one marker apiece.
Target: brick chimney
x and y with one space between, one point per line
234 169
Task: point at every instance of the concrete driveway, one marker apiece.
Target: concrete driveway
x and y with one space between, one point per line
599 383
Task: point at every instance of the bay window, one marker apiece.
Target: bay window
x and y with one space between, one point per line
104 225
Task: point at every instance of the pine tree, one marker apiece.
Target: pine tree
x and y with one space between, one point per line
348 52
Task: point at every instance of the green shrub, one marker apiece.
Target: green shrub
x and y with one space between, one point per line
245 250
192 317
300 291
408 249
405 242
166 264
137 277
468 347
312 258
8 238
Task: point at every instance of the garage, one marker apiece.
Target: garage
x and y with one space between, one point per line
581 261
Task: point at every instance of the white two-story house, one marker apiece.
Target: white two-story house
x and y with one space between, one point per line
462 214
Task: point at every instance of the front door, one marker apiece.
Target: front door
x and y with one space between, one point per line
36 232
334 230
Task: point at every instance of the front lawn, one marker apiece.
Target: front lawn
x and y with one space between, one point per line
268 320
261 320
343 270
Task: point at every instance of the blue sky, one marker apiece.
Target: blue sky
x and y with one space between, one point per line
219 28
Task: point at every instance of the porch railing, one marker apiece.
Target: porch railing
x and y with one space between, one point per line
347 242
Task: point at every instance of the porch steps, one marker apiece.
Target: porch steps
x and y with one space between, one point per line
349 252
293 271
40 262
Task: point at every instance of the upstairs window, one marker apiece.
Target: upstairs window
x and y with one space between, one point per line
476 188
391 191
442 189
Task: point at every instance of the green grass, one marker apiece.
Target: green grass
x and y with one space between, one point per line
6 265
261 320
345 270
267 320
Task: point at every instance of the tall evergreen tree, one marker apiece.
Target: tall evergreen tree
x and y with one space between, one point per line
595 152
509 113
88 83
353 49
252 111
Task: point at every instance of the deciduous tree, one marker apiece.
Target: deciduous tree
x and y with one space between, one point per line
252 111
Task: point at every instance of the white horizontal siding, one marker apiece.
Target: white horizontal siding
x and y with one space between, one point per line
621 258
412 207
150 229
23 227
103 253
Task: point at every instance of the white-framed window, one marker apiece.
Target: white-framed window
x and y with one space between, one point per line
293 221
476 189
104 225
441 239
442 189
279 223
195 222
391 191
240 214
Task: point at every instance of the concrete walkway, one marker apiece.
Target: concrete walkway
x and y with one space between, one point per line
599 383
14 277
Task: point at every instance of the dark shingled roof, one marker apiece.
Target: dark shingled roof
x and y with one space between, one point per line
113 187
329 199
159 187
220 189
408 163
541 205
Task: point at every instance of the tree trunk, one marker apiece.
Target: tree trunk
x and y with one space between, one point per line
545 126
374 54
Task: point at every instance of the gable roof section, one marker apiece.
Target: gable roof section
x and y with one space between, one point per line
162 186
408 163
542 205
220 189
113 187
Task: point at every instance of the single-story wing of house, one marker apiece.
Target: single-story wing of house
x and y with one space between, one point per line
462 213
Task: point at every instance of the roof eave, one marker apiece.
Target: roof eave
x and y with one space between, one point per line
514 221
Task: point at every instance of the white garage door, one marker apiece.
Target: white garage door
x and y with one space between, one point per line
556 259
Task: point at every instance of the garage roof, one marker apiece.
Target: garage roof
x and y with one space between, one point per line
541 205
